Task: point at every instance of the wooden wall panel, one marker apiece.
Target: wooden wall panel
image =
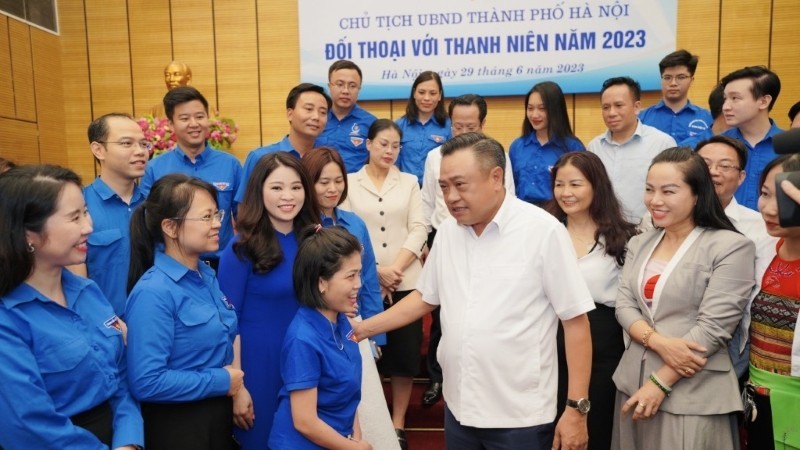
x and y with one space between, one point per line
237 70
381 108
151 51
22 70
109 56
49 96
279 63
588 120
193 43
698 32
76 87
744 34
7 107
784 57
19 141
504 118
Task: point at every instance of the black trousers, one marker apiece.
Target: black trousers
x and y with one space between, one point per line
607 349
199 425
98 420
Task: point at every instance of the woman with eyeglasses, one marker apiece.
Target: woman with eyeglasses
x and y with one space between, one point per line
546 135
256 273
182 330
62 356
390 203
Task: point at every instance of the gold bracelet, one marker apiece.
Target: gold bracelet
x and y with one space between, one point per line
646 337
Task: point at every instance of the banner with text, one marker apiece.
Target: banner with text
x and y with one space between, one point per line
487 47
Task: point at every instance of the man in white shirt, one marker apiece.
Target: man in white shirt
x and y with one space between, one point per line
504 273
628 146
467 114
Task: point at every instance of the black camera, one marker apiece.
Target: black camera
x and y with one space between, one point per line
784 143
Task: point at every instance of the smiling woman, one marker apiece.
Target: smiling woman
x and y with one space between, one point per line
60 342
255 273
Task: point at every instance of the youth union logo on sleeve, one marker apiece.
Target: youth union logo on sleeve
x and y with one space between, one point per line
113 322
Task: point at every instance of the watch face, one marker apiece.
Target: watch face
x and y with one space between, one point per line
584 405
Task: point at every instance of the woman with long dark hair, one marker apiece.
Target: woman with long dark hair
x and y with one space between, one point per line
546 135
61 345
255 273
584 200
425 125
182 329
681 296
774 387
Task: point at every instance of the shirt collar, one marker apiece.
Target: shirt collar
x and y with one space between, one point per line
339 217
201 157
636 132
24 293
171 267
321 324
732 211
688 105
105 192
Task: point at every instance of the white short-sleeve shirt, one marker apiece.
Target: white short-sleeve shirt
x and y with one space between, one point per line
501 295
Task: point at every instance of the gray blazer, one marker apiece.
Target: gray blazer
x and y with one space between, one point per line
702 300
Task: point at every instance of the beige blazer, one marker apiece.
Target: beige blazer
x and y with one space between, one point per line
393 215
701 299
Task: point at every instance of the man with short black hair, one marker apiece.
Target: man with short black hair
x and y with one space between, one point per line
118 144
307 108
628 146
187 111
750 94
502 290
348 123
674 114
715 101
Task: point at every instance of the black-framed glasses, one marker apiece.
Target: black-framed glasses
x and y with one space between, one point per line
208 218
679 78
128 144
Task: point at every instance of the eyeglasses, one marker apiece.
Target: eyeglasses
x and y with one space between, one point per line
679 78
465 127
208 218
341 85
722 167
127 145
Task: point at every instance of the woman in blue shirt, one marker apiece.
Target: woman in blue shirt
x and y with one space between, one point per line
181 326
320 364
546 135
255 272
425 124
62 376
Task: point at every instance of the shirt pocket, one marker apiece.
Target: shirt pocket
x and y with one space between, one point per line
193 313
107 252
63 358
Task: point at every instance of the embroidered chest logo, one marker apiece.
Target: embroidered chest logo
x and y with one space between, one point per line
355 130
221 185
113 322
225 302
436 138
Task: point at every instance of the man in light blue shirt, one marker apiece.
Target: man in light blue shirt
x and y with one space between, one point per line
628 146
674 114
348 123
307 108
187 111
750 94
118 144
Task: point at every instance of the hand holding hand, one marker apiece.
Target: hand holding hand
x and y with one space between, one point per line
682 355
644 402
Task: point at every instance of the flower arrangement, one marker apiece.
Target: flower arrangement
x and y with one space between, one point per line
222 133
158 131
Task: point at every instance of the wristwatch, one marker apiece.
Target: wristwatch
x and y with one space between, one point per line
582 405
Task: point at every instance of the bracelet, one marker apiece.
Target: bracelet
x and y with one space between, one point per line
646 337
661 385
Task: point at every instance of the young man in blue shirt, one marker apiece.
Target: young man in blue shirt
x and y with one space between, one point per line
307 108
348 123
750 94
187 111
674 114
118 144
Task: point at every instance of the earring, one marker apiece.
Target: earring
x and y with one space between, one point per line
31 249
